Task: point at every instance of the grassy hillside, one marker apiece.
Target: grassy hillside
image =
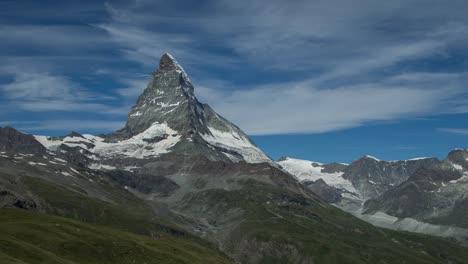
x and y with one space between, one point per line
276 226
31 237
122 210
281 227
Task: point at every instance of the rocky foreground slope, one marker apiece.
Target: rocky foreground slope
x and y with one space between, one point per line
179 169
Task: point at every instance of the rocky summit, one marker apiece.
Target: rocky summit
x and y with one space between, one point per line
169 98
181 184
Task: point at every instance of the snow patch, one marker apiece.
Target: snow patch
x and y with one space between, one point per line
48 142
237 143
138 113
131 168
162 104
96 166
371 157
457 166
303 170
463 179
232 157
420 158
66 174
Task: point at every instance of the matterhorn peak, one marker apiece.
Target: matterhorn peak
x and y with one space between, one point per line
169 103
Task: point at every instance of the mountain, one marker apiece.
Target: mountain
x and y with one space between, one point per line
436 195
458 158
372 176
179 170
12 140
423 195
365 178
167 118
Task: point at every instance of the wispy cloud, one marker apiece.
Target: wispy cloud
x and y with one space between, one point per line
134 87
40 91
458 131
42 85
66 125
301 107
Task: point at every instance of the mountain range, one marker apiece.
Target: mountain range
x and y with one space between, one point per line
423 195
181 184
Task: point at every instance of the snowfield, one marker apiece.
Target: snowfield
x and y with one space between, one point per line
138 146
304 170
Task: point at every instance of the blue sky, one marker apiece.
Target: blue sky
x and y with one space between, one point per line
322 80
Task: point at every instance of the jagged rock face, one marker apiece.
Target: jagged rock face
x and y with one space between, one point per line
168 98
437 195
329 193
439 173
333 167
373 177
428 195
459 159
12 140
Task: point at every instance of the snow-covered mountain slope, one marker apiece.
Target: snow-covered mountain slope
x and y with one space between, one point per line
156 140
325 180
305 170
234 142
167 118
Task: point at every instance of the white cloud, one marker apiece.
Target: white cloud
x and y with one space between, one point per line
41 85
40 91
458 131
68 43
301 107
134 87
68 125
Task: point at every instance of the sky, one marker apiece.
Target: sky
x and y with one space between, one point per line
321 80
